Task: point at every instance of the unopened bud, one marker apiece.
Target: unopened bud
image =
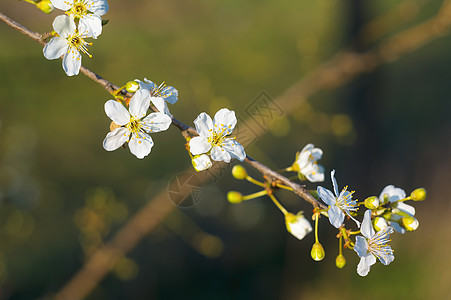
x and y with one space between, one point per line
340 261
132 86
387 215
410 223
379 223
46 6
201 162
372 202
234 197
418 194
317 252
239 172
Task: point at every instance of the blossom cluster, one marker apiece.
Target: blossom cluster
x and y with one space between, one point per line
82 19
384 214
133 124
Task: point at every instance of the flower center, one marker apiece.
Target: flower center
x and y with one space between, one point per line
344 200
216 139
77 42
161 91
78 9
134 125
378 244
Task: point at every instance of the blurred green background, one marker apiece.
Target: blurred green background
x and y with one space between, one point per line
62 195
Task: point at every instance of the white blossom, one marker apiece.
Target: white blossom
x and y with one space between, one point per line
69 43
372 245
134 123
213 138
306 163
339 204
86 12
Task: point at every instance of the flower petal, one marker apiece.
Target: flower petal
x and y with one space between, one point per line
224 121
315 177
298 226
336 216
394 194
199 145
367 227
55 48
139 103
361 246
363 268
72 62
117 112
316 154
326 196
334 182
64 26
219 154
170 94
98 7
62 4
146 84
235 149
90 26
409 209
140 144
397 227
156 122
204 125
161 105
116 138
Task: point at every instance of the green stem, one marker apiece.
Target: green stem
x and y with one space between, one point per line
256 182
255 195
283 187
316 228
277 203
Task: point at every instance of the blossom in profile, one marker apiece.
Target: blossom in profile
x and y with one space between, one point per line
391 194
306 163
134 126
297 225
161 94
372 246
69 43
87 12
213 137
339 204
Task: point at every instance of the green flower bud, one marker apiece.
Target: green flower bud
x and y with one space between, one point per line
234 197
372 202
418 194
317 252
340 261
46 6
132 86
239 172
410 223
379 223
